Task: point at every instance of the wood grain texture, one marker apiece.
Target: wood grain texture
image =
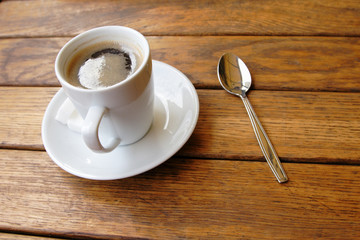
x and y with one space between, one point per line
21 113
181 199
276 63
29 62
303 126
66 18
304 57
10 236
316 127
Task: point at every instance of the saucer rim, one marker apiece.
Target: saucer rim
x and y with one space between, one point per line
152 164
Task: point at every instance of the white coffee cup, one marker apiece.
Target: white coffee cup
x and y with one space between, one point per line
126 107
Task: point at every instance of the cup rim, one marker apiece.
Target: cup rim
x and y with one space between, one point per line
145 51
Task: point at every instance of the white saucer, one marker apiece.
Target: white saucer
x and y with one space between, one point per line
175 116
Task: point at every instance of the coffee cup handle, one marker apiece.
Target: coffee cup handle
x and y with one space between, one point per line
90 131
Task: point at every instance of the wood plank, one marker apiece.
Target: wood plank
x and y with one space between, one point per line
316 127
22 110
29 62
11 236
276 63
303 126
183 199
308 17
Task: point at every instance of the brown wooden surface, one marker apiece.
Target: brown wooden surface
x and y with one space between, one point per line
304 57
9 236
276 63
264 17
303 126
182 198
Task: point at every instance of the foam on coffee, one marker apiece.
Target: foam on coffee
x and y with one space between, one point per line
102 65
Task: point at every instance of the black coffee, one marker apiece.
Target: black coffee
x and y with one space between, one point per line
102 65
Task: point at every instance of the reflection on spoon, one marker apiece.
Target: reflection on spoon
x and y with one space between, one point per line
235 78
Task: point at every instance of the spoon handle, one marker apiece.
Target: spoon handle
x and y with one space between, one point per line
265 144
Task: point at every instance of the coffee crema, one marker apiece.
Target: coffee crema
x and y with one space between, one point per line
102 65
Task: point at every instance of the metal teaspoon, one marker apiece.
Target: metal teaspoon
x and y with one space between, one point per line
235 78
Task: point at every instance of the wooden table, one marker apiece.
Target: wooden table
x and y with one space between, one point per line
304 57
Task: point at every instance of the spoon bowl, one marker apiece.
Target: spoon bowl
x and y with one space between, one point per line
235 78
234 75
